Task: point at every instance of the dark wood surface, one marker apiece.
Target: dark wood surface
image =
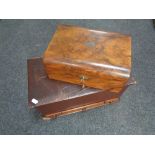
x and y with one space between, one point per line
56 98
87 57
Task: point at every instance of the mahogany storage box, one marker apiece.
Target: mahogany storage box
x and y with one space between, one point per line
55 98
86 57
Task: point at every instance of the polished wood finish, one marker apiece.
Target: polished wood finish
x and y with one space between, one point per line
88 57
79 109
57 98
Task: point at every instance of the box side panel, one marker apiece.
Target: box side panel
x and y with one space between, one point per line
75 74
76 103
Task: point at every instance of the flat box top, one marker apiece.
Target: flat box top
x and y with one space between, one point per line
105 54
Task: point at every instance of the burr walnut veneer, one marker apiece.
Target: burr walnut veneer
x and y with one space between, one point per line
86 57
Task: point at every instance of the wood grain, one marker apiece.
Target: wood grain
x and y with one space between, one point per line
102 58
79 109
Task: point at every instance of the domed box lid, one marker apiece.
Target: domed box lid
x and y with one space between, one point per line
89 57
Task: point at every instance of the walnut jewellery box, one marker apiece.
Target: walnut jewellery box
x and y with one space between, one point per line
80 69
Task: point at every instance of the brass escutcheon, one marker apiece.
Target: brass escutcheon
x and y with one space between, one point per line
82 78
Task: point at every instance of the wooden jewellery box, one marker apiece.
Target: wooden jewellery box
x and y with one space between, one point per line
86 57
54 98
